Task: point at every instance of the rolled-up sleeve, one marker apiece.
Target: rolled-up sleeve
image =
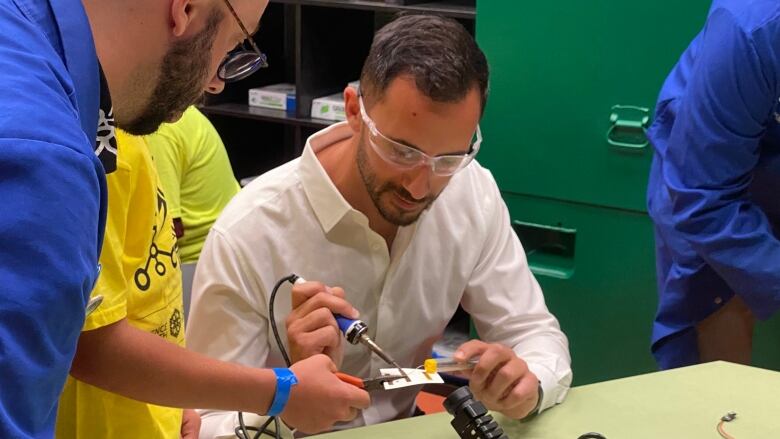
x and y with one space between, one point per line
713 150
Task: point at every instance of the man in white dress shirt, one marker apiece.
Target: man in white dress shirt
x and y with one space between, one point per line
390 206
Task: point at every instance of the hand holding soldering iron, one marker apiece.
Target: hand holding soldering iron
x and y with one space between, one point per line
317 308
311 325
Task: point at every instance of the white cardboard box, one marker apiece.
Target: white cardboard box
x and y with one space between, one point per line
329 107
276 97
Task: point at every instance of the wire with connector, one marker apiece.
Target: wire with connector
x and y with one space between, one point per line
728 417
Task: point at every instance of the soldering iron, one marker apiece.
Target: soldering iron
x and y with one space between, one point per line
356 331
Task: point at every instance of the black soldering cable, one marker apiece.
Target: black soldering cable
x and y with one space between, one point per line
242 431
291 278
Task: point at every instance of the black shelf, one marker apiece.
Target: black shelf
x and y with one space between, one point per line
451 8
245 111
318 45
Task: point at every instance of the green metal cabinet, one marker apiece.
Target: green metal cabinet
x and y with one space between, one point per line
600 283
766 344
596 267
565 77
573 85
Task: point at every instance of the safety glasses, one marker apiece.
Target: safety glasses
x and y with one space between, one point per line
406 157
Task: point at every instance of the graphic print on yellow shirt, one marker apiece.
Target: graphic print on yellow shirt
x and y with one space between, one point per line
195 172
140 281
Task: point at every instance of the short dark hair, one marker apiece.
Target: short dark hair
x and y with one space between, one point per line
437 52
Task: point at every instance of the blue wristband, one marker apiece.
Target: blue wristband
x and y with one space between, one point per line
285 379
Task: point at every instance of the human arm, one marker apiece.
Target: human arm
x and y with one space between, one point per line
227 295
49 238
507 307
137 364
712 154
190 424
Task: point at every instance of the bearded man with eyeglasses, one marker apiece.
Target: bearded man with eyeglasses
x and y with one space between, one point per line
130 374
73 71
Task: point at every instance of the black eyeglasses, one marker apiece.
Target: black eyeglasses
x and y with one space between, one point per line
242 61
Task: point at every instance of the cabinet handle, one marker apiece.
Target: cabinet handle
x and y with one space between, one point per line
550 249
628 127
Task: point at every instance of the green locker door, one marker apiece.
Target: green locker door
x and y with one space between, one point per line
559 69
597 269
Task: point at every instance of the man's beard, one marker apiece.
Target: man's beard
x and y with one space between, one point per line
377 191
182 78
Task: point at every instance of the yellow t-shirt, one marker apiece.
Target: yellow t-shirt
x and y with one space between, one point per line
196 176
140 281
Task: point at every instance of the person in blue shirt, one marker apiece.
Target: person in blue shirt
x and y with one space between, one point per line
714 189
56 141
71 71
53 195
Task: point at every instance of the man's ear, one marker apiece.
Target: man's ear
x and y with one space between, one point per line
352 109
182 15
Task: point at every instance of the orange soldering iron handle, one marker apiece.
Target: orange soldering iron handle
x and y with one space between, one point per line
349 379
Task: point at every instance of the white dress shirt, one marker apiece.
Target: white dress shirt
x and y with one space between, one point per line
462 250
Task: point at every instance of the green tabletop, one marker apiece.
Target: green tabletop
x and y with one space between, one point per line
677 404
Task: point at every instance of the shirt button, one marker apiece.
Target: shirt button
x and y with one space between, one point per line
718 301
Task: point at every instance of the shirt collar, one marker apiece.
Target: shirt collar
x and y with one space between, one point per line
329 205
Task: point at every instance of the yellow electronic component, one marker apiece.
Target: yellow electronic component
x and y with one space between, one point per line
439 365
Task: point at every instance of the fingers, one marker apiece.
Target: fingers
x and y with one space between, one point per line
490 363
357 398
319 339
501 380
190 426
323 299
470 349
522 399
319 318
321 399
312 329
505 379
525 389
321 360
304 291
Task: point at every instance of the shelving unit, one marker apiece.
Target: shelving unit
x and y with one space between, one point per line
244 111
450 8
318 45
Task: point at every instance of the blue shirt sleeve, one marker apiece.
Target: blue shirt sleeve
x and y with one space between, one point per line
52 210
48 254
714 146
